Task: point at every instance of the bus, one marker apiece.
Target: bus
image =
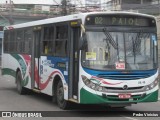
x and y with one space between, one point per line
108 58
1 37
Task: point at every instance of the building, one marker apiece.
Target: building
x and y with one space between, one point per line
20 11
141 6
93 5
38 6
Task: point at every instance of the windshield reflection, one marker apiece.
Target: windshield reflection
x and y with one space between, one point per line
119 51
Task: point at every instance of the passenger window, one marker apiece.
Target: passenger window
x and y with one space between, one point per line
48 40
6 41
12 47
61 41
28 40
20 41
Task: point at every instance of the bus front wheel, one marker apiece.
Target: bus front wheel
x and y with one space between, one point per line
62 103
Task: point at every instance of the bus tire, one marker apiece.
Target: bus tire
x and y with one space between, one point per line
117 107
121 107
62 103
20 89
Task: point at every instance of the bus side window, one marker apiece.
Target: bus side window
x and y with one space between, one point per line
6 41
20 41
12 41
48 40
45 50
28 40
61 40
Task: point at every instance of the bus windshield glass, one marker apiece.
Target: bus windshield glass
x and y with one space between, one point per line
119 50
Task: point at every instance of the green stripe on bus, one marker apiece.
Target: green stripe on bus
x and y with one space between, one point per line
23 68
21 63
8 71
89 98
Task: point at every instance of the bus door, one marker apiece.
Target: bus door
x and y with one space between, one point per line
35 56
74 62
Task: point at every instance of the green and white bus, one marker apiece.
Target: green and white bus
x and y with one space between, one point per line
105 58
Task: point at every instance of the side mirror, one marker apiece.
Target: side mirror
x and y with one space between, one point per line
83 41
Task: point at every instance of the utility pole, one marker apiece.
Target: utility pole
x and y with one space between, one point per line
10 13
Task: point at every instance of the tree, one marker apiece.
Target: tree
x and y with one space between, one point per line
64 7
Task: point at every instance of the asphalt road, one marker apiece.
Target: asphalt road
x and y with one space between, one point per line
10 100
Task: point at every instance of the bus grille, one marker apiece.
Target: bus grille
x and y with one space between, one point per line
123 76
130 88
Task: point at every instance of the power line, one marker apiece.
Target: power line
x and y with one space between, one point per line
148 6
82 5
56 2
6 20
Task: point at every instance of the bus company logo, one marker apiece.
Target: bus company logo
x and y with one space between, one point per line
125 87
48 63
6 114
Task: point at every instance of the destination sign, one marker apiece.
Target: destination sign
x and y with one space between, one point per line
120 20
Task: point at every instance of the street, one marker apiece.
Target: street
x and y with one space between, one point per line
10 100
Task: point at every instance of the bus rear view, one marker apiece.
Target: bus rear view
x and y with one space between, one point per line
119 63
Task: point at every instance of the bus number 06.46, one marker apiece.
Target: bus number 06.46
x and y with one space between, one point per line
98 20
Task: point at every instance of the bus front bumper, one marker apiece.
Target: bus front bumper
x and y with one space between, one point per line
89 98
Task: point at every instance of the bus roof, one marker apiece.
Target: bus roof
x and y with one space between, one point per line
71 17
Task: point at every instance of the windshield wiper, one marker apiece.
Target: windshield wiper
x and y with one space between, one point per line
136 43
134 49
109 38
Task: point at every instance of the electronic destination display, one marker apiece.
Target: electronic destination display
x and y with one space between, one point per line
120 20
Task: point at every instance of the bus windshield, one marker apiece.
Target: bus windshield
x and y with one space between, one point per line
120 51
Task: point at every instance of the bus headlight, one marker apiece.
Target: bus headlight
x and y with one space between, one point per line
152 85
85 80
91 84
100 88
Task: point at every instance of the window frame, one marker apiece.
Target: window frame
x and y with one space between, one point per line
17 45
54 39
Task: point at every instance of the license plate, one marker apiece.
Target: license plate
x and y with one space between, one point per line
124 96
